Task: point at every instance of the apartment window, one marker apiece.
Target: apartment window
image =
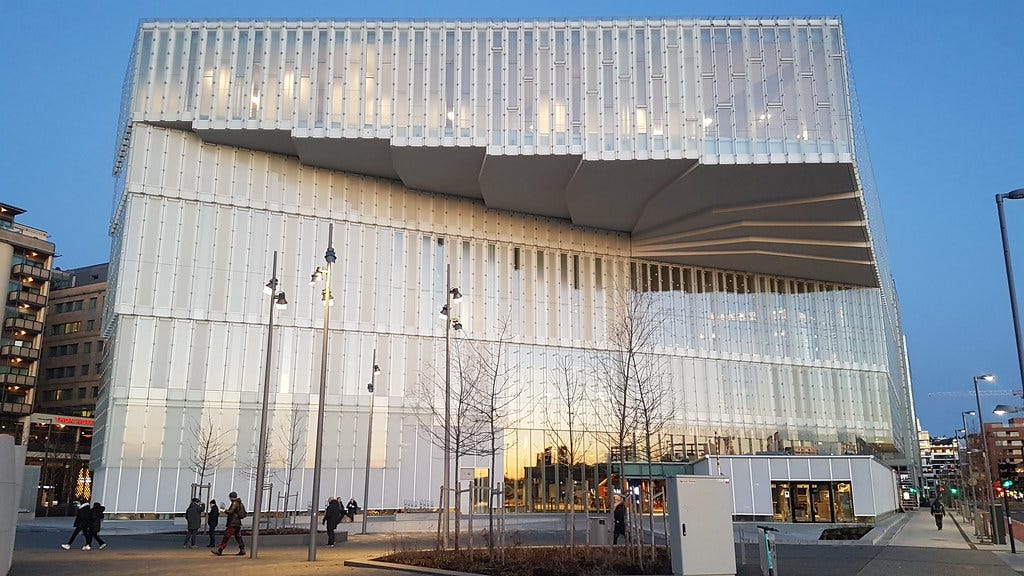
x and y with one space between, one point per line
81 393
66 328
85 369
99 346
87 348
97 370
92 303
89 325
63 350
95 391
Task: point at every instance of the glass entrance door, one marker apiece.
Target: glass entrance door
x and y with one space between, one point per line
821 502
782 508
802 502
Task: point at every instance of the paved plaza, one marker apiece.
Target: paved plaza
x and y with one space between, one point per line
903 545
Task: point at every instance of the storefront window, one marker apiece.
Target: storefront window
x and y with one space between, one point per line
844 502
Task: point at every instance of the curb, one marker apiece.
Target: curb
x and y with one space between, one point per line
405 568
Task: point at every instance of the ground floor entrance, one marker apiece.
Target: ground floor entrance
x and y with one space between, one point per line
828 502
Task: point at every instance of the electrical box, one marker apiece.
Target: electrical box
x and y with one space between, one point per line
700 525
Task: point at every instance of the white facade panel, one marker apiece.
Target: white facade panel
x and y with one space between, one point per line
754 358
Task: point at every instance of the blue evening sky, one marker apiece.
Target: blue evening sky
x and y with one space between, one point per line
940 86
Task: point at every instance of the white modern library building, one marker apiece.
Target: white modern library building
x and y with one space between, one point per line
563 171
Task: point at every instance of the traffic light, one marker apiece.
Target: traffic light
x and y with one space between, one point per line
954 490
998 490
1007 470
1007 483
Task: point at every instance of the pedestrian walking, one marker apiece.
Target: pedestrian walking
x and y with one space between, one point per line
96 523
212 518
332 517
351 509
619 517
83 523
233 526
938 511
193 520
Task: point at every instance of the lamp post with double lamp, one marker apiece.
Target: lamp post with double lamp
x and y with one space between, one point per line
369 440
1017 194
277 301
984 452
452 297
321 273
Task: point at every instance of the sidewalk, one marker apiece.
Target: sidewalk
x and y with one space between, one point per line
906 545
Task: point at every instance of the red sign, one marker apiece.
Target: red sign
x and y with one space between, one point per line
73 421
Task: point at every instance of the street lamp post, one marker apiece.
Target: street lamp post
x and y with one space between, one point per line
277 301
984 452
452 296
1013 195
321 273
970 463
369 439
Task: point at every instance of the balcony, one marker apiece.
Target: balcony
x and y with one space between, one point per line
31 270
9 379
25 297
23 352
30 326
19 408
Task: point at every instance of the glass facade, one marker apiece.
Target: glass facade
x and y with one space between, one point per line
605 89
752 362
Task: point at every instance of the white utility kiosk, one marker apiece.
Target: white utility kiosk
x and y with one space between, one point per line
700 525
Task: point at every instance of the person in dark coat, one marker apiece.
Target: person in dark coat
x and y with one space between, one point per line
96 517
212 518
351 509
193 520
233 526
619 516
332 517
83 523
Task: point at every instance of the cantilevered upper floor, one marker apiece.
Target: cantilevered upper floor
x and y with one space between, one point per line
723 143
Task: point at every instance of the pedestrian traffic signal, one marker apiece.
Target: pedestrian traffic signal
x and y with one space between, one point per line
1007 483
954 490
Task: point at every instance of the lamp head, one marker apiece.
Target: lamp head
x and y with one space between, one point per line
456 295
280 302
1015 194
968 413
456 324
444 311
376 369
985 377
315 277
270 287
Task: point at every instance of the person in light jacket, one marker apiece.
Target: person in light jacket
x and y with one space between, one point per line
193 519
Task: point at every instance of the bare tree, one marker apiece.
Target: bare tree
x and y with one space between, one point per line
565 422
209 449
465 430
632 334
497 395
291 438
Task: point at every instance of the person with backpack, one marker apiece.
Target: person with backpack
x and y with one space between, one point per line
938 511
96 517
83 525
332 517
233 526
